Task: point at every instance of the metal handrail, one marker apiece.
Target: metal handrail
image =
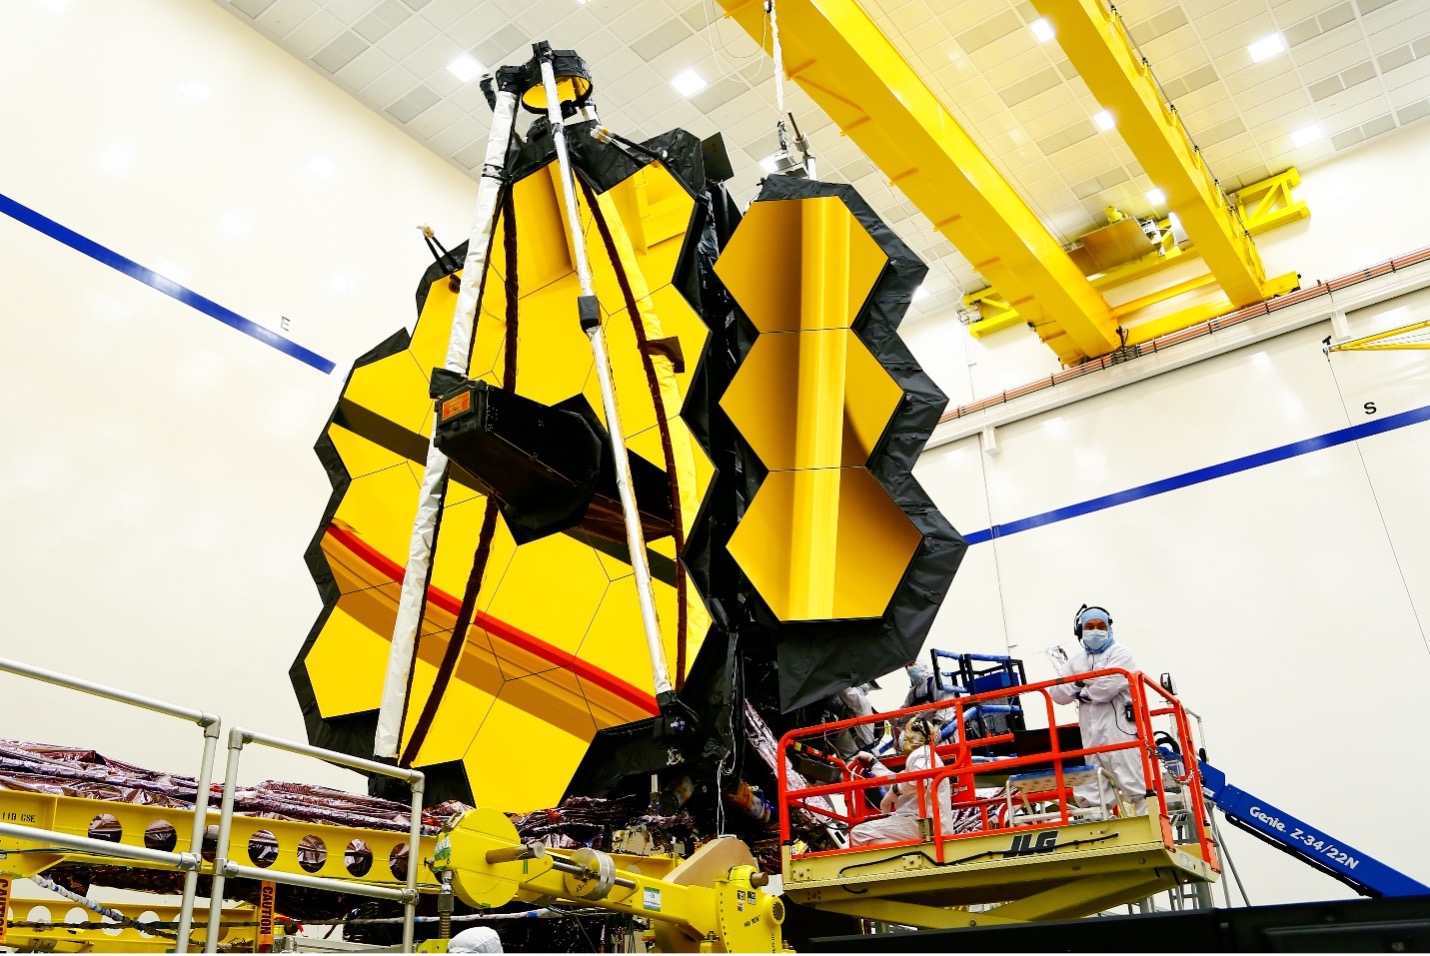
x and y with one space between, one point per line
189 862
211 724
238 738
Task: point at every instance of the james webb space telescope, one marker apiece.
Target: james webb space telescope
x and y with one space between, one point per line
662 461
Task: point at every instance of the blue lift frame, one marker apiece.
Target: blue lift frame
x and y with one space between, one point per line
1362 873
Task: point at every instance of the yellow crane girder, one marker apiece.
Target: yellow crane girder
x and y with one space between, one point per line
1094 39
1260 206
850 69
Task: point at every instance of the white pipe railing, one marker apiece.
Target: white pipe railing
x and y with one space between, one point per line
211 725
179 861
238 738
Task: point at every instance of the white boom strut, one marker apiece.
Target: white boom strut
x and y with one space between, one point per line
590 322
388 739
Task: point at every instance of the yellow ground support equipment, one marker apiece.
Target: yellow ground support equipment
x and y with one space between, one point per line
712 902
77 931
281 847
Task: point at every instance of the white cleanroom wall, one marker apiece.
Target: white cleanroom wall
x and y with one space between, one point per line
158 485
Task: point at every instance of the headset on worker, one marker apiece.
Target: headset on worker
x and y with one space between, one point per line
1077 618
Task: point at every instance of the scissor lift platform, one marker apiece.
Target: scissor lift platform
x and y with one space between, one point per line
1010 842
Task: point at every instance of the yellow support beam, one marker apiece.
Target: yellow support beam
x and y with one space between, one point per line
1270 203
1260 206
995 314
841 59
1385 341
1096 42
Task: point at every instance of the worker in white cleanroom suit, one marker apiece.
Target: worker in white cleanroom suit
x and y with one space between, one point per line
478 939
1104 709
924 689
902 801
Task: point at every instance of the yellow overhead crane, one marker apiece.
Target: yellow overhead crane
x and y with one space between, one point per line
838 55
1260 206
841 59
1096 41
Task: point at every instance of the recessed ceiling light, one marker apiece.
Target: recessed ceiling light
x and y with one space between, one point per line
921 293
1042 29
465 67
1156 197
1307 135
1266 47
170 270
1103 120
195 90
688 83
322 167
770 163
235 224
116 159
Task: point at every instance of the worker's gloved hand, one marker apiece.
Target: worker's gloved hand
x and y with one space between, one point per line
864 757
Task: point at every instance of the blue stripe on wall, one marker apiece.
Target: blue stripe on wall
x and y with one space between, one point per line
28 216
1186 479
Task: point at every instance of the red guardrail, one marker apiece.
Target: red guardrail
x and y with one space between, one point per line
961 771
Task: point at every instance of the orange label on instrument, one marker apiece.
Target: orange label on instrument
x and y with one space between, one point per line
267 896
456 405
4 905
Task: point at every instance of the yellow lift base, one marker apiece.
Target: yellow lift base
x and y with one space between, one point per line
1063 873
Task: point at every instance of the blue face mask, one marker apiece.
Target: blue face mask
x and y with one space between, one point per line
1096 642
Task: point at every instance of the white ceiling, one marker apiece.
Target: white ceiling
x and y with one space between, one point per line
1358 68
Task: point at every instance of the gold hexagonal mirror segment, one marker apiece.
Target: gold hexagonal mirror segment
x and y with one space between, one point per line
800 264
824 544
811 400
